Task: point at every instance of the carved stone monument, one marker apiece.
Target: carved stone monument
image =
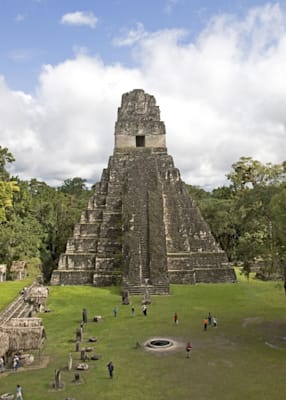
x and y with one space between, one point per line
125 297
78 335
84 316
58 384
141 224
70 362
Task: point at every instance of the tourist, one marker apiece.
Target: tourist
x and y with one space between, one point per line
133 311
176 320
110 367
84 315
209 319
1 364
115 312
188 349
16 362
19 395
206 322
214 322
144 310
285 287
25 293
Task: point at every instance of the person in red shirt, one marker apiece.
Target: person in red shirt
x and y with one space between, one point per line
176 318
188 349
206 322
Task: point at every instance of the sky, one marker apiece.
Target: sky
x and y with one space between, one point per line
215 67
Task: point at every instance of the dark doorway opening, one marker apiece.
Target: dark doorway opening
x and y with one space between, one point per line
140 141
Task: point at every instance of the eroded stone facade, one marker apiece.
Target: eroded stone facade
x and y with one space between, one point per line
141 227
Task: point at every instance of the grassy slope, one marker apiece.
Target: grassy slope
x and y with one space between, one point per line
10 290
230 362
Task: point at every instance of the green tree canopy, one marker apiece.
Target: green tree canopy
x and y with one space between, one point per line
248 173
7 187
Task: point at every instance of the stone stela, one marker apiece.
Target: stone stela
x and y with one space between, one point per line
141 224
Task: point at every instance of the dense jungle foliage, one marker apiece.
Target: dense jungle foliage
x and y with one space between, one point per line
36 219
247 217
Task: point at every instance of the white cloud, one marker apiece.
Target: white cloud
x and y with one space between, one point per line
221 97
80 18
72 119
131 37
169 6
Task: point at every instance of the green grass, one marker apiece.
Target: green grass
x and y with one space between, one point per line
10 290
231 361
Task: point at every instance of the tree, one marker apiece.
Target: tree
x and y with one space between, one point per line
20 239
5 158
278 212
57 210
74 186
7 190
198 193
254 185
248 173
217 210
7 187
246 218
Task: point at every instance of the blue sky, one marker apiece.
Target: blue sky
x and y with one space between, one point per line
34 35
216 69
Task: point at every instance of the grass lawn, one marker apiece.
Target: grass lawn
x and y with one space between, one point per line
10 290
244 357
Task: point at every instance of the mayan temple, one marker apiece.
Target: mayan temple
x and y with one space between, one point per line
141 228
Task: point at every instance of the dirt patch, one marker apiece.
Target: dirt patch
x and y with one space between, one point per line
220 363
251 320
273 331
40 363
218 342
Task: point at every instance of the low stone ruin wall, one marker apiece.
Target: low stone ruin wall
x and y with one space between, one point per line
18 331
72 277
25 322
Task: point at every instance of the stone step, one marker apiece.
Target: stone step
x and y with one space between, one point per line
77 261
25 311
82 245
17 308
13 308
159 289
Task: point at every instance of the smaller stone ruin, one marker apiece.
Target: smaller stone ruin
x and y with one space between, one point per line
19 331
82 367
18 270
37 296
7 396
3 272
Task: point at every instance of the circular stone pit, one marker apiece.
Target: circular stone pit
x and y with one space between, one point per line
161 344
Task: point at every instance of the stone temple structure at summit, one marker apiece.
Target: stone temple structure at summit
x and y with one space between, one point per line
141 229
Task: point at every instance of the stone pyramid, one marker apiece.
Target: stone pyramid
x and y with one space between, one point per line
141 229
